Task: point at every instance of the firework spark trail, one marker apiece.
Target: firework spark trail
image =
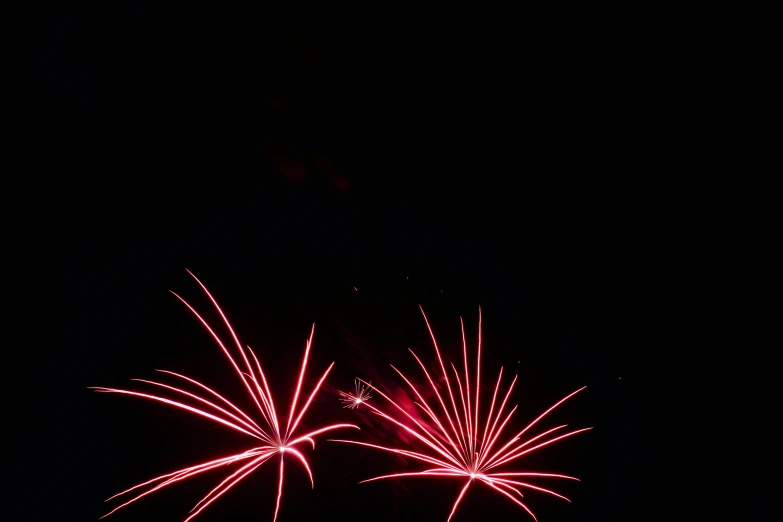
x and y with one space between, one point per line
265 428
466 450
361 395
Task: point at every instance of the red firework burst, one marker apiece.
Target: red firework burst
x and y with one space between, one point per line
457 444
273 436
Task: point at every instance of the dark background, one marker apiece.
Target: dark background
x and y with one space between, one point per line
567 171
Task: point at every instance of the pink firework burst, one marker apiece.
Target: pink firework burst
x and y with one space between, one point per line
360 395
457 443
272 434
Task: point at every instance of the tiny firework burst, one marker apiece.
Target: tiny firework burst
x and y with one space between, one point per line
360 395
456 443
272 433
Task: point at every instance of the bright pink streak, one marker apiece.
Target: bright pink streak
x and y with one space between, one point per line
223 347
256 462
445 376
301 376
478 381
440 399
221 493
304 463
547 443
230 329
310 399
492 485
317 432
176 477
461 494
500 455
255 430
213 392
178 405
268 393
432 440
427 408
467 411
279 490
525 485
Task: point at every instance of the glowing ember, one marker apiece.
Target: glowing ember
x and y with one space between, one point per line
267 428
360 395
457 445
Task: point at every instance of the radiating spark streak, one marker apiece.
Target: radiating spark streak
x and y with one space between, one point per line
500 430
526 485
224 491
478 378
456 503
558 403
411 454
228 325
499 413
440 399
491 409
266 426
178 405
492 485
221 460
279 489
551 475
468 442
440 448
441 451
416 474
499 455
445 375
507 487
205 401
468 413
304 463
223 347
427 408
176 477
310 399
467 449
252 463
266 387
299 383
216 394
322 430
265 412
547 443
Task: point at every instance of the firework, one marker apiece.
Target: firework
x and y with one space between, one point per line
457 443
273 434
361 395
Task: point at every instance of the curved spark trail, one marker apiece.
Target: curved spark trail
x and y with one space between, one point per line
360 395
457 444
271 436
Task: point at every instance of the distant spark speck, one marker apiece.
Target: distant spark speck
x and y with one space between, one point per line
361 395
355 288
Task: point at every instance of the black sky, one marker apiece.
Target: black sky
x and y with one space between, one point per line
560 169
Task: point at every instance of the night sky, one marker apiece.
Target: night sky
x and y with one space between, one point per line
342 167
